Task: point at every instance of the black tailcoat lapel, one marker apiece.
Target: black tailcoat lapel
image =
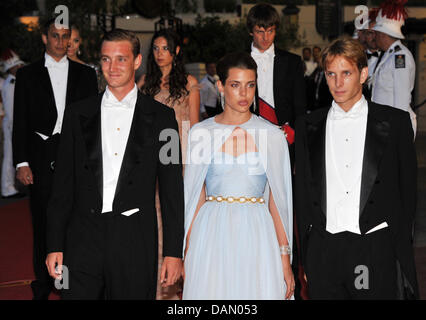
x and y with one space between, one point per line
280 68
376 138
46 86
141 134
92 134
71 82
316 145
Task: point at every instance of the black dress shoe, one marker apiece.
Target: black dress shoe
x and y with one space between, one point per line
18 195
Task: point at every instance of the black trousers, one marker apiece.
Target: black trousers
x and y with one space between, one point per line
42 166
350 266
108 257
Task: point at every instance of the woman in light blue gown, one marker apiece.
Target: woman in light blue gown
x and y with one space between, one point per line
238 207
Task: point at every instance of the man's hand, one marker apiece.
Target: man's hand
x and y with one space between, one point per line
25 175
171 270
54 259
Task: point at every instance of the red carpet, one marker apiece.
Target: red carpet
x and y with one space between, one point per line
16 271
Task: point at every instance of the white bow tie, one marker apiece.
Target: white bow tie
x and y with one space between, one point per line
345 115
53 64
117 104
263 55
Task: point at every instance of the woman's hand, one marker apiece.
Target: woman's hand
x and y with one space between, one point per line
288 276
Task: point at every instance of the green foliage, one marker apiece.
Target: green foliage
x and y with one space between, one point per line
209 39
186 6
220 5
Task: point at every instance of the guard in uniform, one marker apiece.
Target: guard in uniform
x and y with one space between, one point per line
393 79
367 37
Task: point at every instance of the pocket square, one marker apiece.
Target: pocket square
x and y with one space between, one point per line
379 227
128 213
42 135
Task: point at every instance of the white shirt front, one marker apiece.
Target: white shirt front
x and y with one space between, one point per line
116 121
310 67
58 73
345 139
265 73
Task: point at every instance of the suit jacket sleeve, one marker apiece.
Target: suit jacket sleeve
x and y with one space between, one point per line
407 178
171 197
300 186
20 115
61 201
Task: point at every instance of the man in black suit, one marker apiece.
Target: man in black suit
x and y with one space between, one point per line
281 89
355 189
44 89
102 223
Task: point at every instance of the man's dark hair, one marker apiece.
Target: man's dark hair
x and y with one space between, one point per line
241 60
124 35
48 23
263 15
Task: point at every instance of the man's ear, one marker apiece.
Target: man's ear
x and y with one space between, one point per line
138 61
177 50
44 38
364 75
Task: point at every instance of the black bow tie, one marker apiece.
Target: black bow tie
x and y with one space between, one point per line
374 54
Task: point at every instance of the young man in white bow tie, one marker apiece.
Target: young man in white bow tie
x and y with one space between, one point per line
102 222
355 188
281 92
43 91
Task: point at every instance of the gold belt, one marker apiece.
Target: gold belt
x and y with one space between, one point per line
236 199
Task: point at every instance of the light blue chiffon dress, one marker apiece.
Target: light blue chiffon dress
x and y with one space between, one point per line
233 251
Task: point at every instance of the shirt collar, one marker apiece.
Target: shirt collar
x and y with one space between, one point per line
360 108
50 62
270 52
129 101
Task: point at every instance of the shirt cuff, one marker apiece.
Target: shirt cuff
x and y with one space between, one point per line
22 164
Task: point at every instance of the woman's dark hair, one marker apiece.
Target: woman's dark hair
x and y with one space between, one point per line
241 60
178 77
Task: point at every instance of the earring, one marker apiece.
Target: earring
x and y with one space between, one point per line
254 104
78 52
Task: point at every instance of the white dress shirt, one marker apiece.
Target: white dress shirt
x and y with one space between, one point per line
265 73
209 93
310 67
116 120
345 139
58 73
